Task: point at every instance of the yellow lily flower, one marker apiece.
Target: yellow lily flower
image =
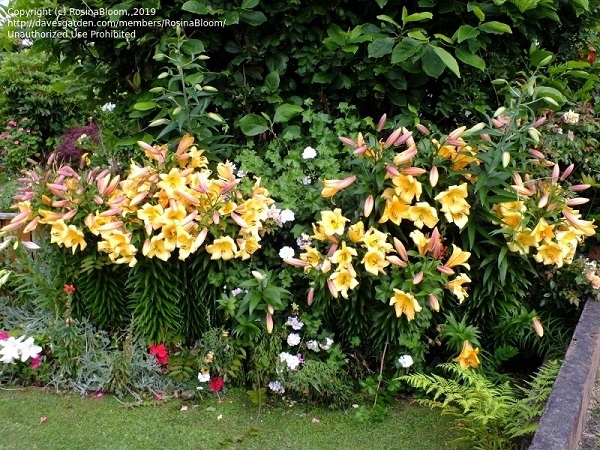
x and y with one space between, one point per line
222 248
550 253
468 356
456 287
407 188
152 215
155 248
405 303
332 222
343 256
247 247
58 232
171 182
423 214
74 238
343 281
568 241
395 210
312 256
543 231
458 258
376 240
356 232
375 262
522 240
420 240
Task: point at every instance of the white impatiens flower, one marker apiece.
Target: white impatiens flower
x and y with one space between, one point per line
327 345
29 349
108 107
10 350
287 215
276 387
570 117
309 153
203 377
313 345
293 339
306 180
405 361
292 361
286 252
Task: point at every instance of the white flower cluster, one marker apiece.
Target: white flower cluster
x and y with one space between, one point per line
276 387
203 377
12 349
293 339
303 241
238 291
292 361
293 322
570 117
108 107
280 216
316 347
286 252
309 153
405 361
306 180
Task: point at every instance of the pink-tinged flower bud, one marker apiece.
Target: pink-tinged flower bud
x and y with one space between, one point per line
269 323
102 174
326 266
577 201
434 303
111 212
393 259
405 156
332 250
182 193
360 150
536 153
522 190
117 200
51 158
12 226
455 142
69 215
348 142
112 185
310 296
400 249
518 180
445 269
332 289
31 225
567 172
368 208
381 122
486 137
215 217
391 140
392 170
543 201
146 247
270 309
21 217
414 171
423 129
418 278
332 187
148 229
435 244
537 326
505 159
111 226
538 122
57 187
580 187
98 200
237 219
457 133
555 173
138 198
190 217
497 123
433 176
67 171
202 236
295 262
404 138
60 203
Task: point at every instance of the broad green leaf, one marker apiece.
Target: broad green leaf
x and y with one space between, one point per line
145 106
585 4
405 49
549 92
448 60
582 74
470 58
194 46
537 56
249 4
388 19
444 38
381 3
418 35
431 62
476 10
525 5
253 18
195 7
466 32
59 87
417 17
285 112
272 82
251 125
323 77
380 47
495 27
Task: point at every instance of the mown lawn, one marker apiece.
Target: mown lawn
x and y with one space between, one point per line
72 422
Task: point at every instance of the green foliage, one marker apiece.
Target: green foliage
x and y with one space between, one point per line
492 415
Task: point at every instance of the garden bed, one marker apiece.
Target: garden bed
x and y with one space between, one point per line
562 422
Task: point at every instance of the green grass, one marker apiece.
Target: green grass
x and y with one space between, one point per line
75 423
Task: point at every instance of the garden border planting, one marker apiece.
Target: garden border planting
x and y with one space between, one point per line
562 422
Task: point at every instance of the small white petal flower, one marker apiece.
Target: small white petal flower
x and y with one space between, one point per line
293 339
108 107
286 252
28 349
309 153
306 181
287 215
405 361
203 377
570 117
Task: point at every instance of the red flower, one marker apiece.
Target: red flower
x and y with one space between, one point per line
69 289
36 362
160 353
591 58
216 384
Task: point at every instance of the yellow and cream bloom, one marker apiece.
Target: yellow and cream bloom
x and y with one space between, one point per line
550 254
343 256
333 222
356 232
405 303
421 241
407 188
375 262
222 248
468 356
423 214
344 280
456 287
543 231
395 210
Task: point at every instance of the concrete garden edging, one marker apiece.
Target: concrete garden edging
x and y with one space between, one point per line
561 423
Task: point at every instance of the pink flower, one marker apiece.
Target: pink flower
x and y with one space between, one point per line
36 362
21 129
16 142
3 335
25 119
99 394
12 123
160 353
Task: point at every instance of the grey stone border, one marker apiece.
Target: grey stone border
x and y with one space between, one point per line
562 421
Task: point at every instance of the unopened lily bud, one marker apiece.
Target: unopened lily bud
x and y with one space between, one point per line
391 140
423 129
538 122
433 176
381 122
543 201
505 159
456 142
414 171
347 141
435 244
405 156
455 134
536 153
497 123
215 217
418 278
269 323
486 137
577 201
475 128
326 266
270 309
360 150
259 276
567 172
580 187
404 138
400 249
445 269
331 250
499 111
395 261
392 170
310 296
295 262
534 134
332 289
434 302
98 200
69 215
555 173
31 225
537 326
368 208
